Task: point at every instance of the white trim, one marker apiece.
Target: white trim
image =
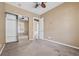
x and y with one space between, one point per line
62 43
2 49
33 24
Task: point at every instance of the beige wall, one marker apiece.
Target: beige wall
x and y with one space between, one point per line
62 24
26 27
2 28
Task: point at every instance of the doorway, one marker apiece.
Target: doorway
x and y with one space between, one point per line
38 28
23 29
16 28
11 27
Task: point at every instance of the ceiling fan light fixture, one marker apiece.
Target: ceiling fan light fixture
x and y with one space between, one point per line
43 5
36 5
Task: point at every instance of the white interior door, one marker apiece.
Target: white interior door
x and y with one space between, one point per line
41 28
11 33
36 29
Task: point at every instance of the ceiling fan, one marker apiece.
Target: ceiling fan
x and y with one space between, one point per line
42 4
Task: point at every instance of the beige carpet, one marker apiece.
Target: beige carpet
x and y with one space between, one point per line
38 48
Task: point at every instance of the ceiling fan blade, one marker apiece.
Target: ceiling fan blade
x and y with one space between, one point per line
36 5
43 5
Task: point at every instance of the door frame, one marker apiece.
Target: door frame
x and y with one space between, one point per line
33 25
42 27
16 26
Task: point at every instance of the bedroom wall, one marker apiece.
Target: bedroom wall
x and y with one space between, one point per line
62 24
2 23
2 27
26 27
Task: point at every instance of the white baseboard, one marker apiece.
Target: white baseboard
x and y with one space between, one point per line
2 49
61 43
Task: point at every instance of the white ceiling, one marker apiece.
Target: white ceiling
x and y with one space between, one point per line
29 6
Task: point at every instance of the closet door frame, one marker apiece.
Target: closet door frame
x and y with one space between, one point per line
16 25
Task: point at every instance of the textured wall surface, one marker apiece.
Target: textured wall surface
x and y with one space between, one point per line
62 24
2 24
